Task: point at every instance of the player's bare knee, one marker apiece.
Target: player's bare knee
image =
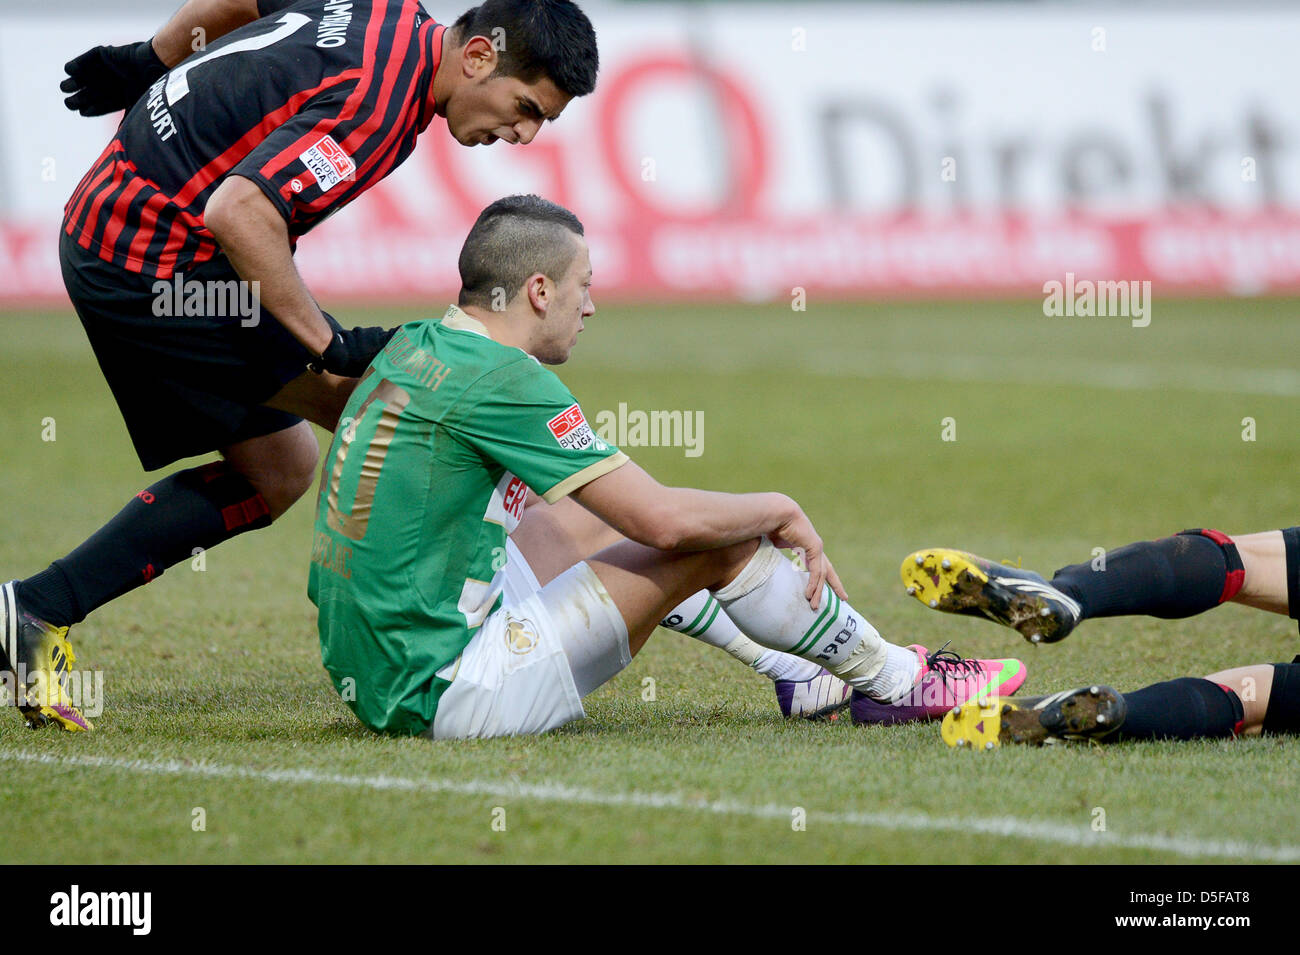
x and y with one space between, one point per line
300 478
298 471
281 491
1264 562
281 468
1252 686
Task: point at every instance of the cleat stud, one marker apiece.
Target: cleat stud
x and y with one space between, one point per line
947 564
961 743
919 560
1035 638
1006 708
989 744
1094 691
934 603
1045 612
1101 718
911 591
956 711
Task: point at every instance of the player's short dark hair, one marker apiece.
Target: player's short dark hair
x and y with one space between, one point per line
550 38
514 238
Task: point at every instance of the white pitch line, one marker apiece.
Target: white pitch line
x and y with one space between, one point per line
1004 826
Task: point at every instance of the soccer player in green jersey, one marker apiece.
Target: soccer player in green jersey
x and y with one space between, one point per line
433 621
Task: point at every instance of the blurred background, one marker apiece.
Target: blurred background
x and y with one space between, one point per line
738 150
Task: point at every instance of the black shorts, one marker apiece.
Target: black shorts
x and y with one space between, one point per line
185 384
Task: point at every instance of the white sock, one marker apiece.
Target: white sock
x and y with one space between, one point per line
776 665
766 600
701 617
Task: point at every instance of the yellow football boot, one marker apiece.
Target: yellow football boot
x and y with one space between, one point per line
35 657
956 582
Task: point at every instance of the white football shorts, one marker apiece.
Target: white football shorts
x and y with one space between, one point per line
532 661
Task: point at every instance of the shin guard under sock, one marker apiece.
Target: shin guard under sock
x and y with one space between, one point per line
766 601
1174 577
1186 708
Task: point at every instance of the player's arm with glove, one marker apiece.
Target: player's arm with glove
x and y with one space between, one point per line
111 78
255 237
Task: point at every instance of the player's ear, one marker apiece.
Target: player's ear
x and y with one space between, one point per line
538 287
478 57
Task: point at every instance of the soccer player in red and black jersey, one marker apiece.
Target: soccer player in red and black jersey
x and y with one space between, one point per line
247 123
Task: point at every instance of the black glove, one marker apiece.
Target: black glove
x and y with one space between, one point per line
109 78
350 353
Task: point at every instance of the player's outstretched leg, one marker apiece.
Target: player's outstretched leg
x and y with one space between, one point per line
161 526
1173 577
1245 701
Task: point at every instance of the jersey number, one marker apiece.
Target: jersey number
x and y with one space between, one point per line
386 402
178 82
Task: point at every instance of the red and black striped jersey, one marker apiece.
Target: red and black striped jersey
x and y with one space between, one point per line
315 102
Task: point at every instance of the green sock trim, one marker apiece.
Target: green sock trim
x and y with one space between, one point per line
694 623
818 629
708 623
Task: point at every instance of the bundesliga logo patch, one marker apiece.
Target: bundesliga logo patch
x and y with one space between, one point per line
571 430
328 163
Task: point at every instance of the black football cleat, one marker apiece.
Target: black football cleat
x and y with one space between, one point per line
1092 713
956 582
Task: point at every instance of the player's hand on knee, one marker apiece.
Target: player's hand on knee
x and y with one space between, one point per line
109 78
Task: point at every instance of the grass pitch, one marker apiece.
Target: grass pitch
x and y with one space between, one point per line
222 742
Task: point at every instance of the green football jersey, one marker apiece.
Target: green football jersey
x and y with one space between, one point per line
427 474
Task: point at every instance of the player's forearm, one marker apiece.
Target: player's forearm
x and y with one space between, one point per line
676 518
214 18
700 520
254 237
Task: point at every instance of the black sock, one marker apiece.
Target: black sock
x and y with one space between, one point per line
161 526
1185 708
1177 576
